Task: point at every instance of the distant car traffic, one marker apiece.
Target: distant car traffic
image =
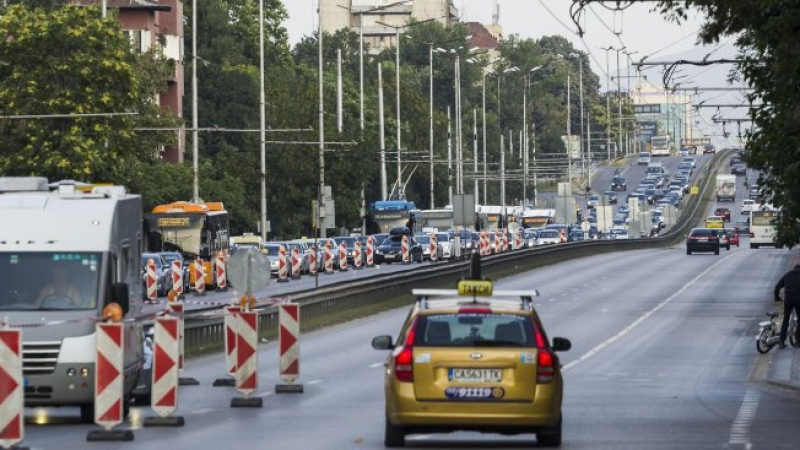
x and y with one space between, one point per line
733 235
702 240
619 184
723 212
739 169
709 149
644 158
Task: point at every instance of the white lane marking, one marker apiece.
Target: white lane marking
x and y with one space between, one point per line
740 429
375 366
313 382
202 411
264 394
644 316
419 437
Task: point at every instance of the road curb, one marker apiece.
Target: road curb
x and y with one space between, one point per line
785 384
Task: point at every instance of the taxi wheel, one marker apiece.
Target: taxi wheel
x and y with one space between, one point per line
394 436
550 437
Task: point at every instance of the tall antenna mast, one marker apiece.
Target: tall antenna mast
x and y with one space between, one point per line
496 13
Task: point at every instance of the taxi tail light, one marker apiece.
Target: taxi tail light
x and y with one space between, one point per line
545 362
475 311
404 361
752 235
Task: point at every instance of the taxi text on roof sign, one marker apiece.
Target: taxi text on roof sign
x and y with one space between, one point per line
475 288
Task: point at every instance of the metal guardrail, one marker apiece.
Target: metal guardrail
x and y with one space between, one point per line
318 303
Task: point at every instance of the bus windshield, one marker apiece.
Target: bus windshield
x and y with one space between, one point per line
763 218
49 280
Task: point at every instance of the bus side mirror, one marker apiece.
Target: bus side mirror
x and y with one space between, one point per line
120 296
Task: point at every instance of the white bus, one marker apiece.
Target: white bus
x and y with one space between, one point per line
762 227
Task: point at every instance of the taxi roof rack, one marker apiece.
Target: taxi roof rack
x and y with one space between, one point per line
454 300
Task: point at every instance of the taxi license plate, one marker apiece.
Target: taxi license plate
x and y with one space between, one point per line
702 240
475 375
474 392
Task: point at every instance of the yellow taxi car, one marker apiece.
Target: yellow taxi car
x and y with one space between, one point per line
473 359
715 222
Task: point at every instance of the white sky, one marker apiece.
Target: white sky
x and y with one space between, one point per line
641 31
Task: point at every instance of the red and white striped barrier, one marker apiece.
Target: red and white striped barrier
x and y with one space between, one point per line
229 321
562 237
484 244
283 275
177 309
295 263
498 245
312 260
505 242
109 378
222 273
342 257
289 365
357 263
166 358
247 352
404 250
177 277
12 397
517 240
370 251
328 258
434 248
151 280
199 276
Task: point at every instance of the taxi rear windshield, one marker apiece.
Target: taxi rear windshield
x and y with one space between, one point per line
474 330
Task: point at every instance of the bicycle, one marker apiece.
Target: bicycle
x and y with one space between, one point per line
792 332
769 333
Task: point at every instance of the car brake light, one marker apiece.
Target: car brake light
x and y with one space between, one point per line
752 235
475 311
545 364
404 360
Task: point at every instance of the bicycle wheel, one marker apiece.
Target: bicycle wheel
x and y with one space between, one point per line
761 341
793 341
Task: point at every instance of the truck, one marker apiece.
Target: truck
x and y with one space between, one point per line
726 188
69 251
661 145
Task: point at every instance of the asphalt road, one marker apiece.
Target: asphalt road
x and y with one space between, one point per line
663 357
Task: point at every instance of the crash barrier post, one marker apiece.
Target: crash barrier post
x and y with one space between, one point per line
231 313
312 260
485 248
295 263
246 360
370 251
151 281
108 395
505 242
434 249
342 257
357 256
177 277
12 397
518 240
498 246
283 275
328 258
199 277
289 335
166 360
562 236
222 273
404 250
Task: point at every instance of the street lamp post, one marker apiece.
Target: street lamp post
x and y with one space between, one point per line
580 93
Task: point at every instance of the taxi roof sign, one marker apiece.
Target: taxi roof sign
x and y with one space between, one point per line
475 288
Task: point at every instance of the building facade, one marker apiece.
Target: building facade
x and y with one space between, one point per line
379 18
659 113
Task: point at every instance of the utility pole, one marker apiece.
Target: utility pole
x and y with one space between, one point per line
608 106
569 136
321 194
195 143
384 181
262 122
449 159
430 114
339 119
459 147
619 102
485 162
475 153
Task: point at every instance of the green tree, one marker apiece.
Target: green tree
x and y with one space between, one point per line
70 61
766 34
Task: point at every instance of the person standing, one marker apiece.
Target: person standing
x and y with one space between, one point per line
790 283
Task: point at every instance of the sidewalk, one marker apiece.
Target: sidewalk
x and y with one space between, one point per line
785 368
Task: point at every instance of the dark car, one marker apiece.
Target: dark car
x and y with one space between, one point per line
723 212
709 149
390 250
612 197
735 160
702 240
168 257
739 169
619 184
743 226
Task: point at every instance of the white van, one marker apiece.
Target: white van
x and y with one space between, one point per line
656 168
747 206
644 158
